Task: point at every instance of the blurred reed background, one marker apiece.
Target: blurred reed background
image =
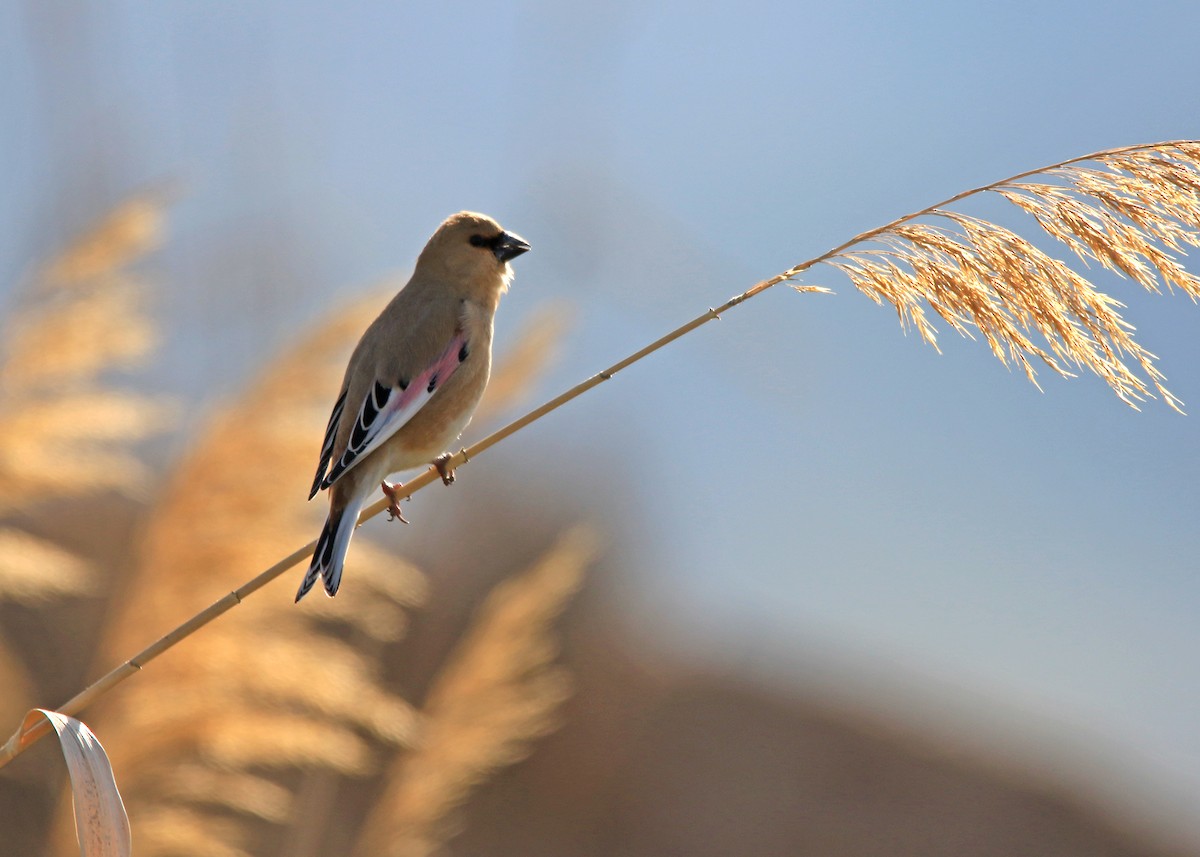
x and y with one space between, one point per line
838 596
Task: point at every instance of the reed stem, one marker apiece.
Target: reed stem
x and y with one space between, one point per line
24 737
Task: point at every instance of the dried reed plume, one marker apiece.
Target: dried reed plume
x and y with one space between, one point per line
128 232
212 753
498 692
202 751
35 570
1129 210
64 431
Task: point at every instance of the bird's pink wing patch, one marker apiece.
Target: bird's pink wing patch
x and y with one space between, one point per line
389 407
426 384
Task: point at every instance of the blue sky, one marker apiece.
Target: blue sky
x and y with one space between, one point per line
834 502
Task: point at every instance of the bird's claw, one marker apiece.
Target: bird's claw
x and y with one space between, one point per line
392 492
442 463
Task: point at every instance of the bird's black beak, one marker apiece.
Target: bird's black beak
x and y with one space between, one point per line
508 246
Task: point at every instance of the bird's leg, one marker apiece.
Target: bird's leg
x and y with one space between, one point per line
442 463
392 492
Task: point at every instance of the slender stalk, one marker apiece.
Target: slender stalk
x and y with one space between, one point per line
24 737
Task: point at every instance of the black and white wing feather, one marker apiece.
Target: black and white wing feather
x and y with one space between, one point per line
387 408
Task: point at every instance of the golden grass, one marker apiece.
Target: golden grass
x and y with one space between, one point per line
498 692
177 832
71 337
1132 211
131 230
267 691
229 723
64 431
35 570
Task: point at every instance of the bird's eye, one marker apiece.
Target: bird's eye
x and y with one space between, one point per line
479 241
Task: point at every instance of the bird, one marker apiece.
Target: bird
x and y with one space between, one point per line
413 381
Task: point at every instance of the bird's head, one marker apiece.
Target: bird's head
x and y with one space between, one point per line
473 249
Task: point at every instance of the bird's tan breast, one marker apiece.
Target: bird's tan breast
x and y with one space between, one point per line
443 418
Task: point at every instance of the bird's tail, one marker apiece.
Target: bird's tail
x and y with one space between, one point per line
330 553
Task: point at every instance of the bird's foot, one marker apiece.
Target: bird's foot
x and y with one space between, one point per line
442 463
392 492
